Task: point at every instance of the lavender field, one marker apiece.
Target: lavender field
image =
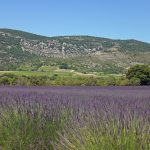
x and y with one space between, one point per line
75 118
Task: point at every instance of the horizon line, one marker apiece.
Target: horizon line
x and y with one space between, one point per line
72 35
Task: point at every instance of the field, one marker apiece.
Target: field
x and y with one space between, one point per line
38 73
59 72
74 118
60 77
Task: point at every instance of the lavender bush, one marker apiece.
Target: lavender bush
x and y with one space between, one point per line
75 118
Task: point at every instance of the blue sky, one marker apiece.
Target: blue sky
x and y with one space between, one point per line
117 19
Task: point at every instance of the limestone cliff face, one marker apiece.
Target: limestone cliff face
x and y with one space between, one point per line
70 46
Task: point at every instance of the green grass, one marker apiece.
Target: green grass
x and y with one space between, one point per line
59 77
37 73
21 131
105 136
60 72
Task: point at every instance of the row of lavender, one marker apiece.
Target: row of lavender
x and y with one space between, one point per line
75 118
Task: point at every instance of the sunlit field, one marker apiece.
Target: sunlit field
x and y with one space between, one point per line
75 118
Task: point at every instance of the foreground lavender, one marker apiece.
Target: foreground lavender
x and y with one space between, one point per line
75 118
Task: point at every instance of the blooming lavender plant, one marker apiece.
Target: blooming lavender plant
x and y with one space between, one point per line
75 118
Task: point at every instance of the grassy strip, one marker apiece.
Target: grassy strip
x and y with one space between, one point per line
22 130
105 136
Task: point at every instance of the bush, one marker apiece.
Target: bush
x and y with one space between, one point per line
64 66
140 74
135 81
5 80
110 81
124 82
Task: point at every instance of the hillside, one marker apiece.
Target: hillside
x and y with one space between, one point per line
26 51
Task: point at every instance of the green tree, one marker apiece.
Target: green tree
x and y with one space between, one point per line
64 66
139 74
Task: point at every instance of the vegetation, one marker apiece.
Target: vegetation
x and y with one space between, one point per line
57 78
74 118
139 75
136 75
53 79
64 66
29 52
67 117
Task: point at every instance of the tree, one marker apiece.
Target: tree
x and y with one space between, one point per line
64 66
140 73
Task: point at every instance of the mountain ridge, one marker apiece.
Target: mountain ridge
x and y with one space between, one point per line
44 36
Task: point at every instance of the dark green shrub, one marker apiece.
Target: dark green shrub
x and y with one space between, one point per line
5 80
135 81
64 66
139 72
